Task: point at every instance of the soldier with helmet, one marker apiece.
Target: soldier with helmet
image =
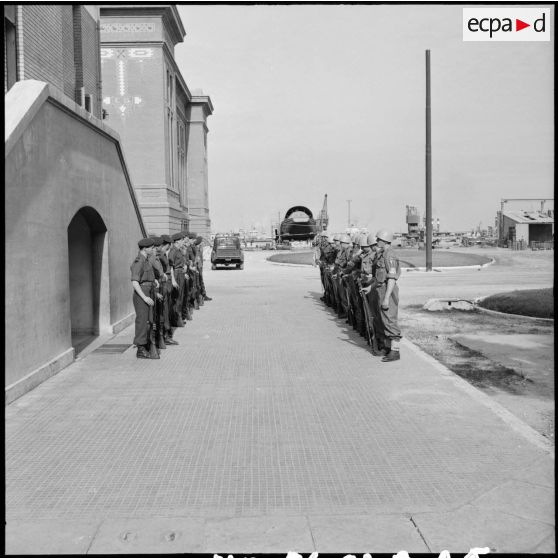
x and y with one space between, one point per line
387 273
340 265
328 259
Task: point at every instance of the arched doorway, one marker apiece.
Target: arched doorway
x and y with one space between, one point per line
88 274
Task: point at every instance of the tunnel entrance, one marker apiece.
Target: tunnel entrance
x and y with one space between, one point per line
88 275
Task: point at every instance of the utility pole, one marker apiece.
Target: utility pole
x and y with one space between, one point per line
428 170
349 215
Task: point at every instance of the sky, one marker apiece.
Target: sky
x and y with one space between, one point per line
330 99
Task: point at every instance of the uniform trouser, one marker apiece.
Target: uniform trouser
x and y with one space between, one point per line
329 296
322 278
177 297
144 316
202 284
342 295
167 300
388 318
355 300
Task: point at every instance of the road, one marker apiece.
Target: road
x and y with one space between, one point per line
271 428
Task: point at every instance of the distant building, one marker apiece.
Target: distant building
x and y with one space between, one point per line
162 124
528 226
523 223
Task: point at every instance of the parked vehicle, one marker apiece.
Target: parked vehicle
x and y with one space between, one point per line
227 251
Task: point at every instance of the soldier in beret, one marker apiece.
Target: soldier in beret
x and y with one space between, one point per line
176 265
168 330
143 279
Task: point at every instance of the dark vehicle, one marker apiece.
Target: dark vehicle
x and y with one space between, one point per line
299 224
227 251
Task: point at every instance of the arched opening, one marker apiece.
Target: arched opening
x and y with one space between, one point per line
88 274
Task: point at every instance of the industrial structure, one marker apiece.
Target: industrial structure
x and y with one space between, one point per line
527 226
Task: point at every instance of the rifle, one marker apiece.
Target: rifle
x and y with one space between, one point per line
369 323
351 314
153 352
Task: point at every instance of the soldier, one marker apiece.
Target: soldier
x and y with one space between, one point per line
199 248
154 260
168 330
330 256
340 265
322 246
352 271
387 274
176 264
367 284
143 279
190 300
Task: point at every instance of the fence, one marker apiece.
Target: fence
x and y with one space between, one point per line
548 245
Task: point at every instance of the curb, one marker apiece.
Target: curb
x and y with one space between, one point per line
496 313
475 266
522 428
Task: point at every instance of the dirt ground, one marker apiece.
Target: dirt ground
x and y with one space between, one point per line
509 358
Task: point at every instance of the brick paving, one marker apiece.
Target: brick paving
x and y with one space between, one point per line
270 414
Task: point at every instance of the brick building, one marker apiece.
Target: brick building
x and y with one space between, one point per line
72 218
58 44
162 124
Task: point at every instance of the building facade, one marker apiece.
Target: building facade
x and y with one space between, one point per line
58 44
72 218
163 125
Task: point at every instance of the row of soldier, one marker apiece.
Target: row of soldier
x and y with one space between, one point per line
167 278
359 275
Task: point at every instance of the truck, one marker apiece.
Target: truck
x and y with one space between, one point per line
227 251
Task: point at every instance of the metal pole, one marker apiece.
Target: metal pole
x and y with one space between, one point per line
349 216
428 170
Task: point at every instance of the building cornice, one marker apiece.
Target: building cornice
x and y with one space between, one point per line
168 13
204 100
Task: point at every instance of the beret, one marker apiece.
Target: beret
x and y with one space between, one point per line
192 235
166 238
157 241
199 240
146 242
176 236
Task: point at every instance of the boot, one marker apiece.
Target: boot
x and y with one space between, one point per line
179 322
391 356
189 313
200 300
205 297
170 341
196 304
376 350
160 340
142 352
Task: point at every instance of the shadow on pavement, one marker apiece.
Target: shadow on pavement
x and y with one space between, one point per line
353 337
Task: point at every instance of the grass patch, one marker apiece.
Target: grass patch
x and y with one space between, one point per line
408 258
538 303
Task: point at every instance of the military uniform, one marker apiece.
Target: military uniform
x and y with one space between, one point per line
387 267
143 273
166 289
340 265
176 263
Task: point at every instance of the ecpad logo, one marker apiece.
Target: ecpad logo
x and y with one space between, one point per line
506 24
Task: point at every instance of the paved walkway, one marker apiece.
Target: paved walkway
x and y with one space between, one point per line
270 428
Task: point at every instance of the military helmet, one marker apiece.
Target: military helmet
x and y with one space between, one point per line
363 241
385 235
371 239
336 237
345 239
